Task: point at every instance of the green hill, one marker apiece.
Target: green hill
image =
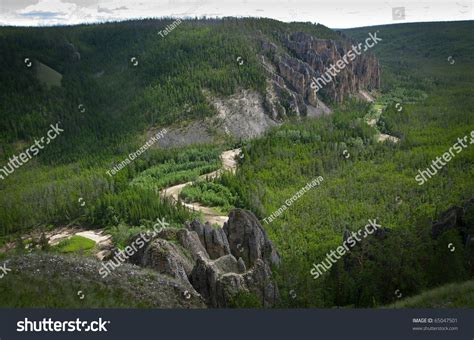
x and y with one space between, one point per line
126 77
454 295
119 81
363 178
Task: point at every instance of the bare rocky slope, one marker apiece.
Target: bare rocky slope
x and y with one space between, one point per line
290 63
62 281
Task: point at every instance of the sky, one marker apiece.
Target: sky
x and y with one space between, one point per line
331 13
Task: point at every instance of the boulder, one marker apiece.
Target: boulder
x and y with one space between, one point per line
248 240
166 258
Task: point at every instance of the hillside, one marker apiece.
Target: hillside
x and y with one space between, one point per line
454 295
71 282
427 104
120 83
215 85
121 79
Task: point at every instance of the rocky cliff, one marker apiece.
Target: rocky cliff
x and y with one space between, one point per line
298 59
216 264
290 63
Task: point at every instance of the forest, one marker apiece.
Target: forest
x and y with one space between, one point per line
363 178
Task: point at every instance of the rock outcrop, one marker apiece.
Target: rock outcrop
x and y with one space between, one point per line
455 218
290 64
214 240
129 284
309 58
315 56
217 264
248 240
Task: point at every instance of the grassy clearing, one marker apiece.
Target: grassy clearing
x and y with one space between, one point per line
75 244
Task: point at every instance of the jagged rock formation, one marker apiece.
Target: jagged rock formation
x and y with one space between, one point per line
214 240
307 58
248 240
316 55
216 263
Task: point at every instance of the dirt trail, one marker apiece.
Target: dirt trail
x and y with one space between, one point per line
228 164
381 137
104 241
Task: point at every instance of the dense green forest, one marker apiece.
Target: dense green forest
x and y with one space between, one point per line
372 180
106 105
363 179
120 100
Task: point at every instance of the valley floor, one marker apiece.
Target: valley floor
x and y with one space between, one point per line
229 163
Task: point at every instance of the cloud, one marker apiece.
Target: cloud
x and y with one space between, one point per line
83 3
51 12
109 10
14 5
336 13
43 10
104 10
42 15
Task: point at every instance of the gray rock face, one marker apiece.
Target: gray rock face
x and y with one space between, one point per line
241 115
309 58
166 258
290 65
205 259
163 254
242 267
190 241
316 55
219 281
248 240
214 240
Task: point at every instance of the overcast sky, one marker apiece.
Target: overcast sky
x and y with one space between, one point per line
332 13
